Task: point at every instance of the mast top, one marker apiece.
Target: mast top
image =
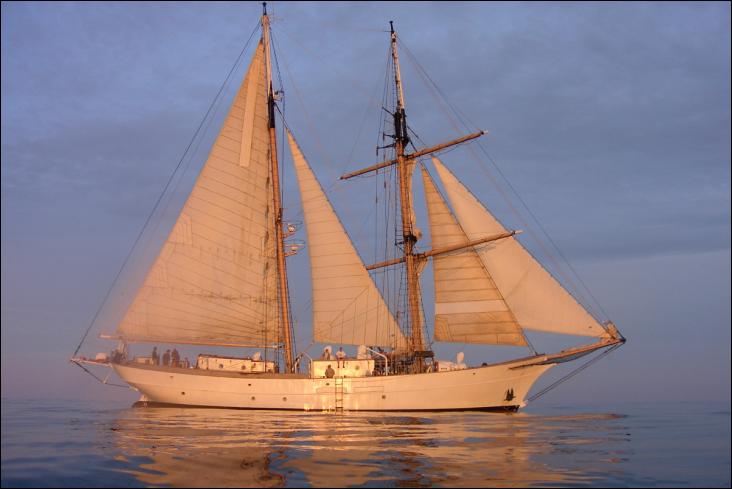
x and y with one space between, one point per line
391 24
264 8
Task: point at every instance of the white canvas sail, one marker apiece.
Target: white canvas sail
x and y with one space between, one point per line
214 279
347 306
536 299
469 307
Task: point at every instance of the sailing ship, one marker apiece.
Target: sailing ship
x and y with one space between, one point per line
220 280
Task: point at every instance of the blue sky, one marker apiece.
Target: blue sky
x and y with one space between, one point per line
612 121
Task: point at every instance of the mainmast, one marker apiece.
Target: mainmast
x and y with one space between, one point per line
404 163
277 201
401 139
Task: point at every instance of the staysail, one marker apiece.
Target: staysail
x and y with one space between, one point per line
214 281
536 299
469 307
348 308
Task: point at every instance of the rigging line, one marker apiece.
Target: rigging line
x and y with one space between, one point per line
360 128
573 373
424 320
475 249
100 380
311 125
318 57
177 174
379 138
546 234
380 135
463 118
442 101
210 120
364 221
279 79
160 197
313 129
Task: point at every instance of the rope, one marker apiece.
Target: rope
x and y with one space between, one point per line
443 102
100 380
572 373
160 197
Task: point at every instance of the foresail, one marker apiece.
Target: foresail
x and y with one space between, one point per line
536 299
214 279
348 308
468 306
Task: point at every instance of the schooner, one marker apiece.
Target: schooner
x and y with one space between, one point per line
220 279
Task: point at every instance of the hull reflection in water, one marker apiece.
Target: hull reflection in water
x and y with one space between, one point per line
209 447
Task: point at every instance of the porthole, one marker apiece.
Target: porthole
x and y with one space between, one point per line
253 398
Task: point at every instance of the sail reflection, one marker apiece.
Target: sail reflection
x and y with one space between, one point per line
196 447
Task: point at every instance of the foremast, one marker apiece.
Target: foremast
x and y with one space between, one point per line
282 287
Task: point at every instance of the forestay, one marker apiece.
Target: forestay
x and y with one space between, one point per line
536 299
348 308
214 279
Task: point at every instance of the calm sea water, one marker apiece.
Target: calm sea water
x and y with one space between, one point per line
62 443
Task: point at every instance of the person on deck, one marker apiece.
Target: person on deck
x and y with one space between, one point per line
175 357
166 358
329 372
155 356
341 356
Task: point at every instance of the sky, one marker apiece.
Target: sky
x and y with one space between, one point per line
610 120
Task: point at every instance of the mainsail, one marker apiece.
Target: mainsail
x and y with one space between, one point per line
469 307
214 281
536 299
348 308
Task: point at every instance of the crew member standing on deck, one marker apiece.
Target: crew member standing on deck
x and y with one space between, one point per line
166 358
175 357
155 356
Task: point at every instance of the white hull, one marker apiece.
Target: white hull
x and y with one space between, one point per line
495 387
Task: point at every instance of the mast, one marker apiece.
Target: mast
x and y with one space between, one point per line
401 139
277 201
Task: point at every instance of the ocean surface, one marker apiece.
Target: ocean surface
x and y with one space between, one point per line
74 444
